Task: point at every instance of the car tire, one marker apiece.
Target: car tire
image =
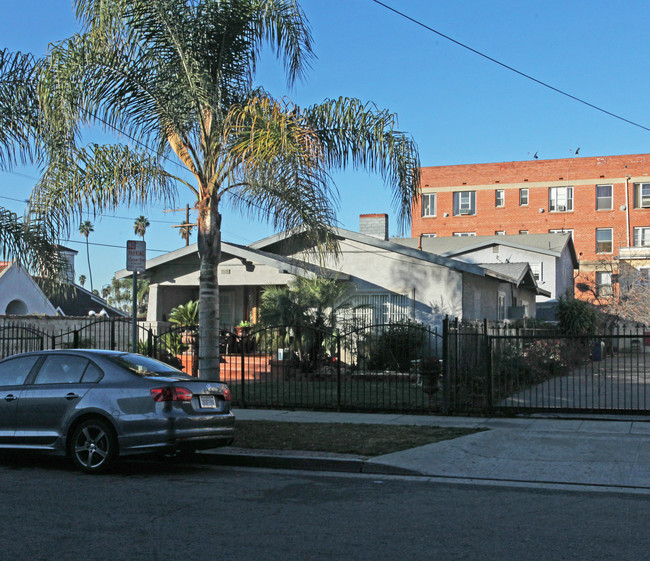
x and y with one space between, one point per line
93 446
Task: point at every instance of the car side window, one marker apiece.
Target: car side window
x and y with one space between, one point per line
92 374
61 369
13 372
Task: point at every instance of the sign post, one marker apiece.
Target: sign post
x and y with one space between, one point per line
136 261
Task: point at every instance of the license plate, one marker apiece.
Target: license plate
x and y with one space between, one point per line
207 402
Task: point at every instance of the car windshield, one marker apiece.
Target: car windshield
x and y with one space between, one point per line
145 366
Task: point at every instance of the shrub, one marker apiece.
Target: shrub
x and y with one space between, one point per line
396 346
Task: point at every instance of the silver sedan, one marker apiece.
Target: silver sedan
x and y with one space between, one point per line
97 405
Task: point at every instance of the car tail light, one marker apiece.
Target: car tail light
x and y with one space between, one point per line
227 396
171 393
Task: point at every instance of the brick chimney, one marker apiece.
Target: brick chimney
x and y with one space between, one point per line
375 225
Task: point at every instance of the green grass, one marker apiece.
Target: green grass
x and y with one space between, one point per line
342 438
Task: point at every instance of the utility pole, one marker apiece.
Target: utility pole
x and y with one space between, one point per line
187 224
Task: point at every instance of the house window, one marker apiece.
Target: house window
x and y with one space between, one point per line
642 195
603 283
464 202
523 197
429 235
642 237
387 307
560 199
561 231
523 231
604 197
464 234
500 233
501 306
499 197
429 204
537 271
604 240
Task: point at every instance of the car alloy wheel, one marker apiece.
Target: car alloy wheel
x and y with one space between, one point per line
93 447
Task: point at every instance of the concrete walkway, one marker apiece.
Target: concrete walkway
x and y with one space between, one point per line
611 453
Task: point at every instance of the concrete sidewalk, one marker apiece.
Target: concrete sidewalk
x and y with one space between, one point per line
586 451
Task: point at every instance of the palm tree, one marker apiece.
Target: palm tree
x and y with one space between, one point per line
186 231
176 76
82 280
85 228
140 226
25 239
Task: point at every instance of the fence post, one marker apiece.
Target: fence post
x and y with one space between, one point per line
243 372
488 364
338 370
149 343
112 334
75 339
445 365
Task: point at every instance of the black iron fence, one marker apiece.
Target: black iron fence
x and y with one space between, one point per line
461 369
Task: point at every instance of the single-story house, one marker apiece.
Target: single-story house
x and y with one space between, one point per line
391 280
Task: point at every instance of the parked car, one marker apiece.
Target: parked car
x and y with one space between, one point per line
97 405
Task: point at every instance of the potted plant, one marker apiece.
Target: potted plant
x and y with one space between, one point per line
243 328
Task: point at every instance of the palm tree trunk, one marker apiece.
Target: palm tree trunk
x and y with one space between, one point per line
90 273
209 242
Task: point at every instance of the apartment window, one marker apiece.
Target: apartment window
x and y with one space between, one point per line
523 231
523 197
386 307
561 231
604 240
429 235
642 237
603 283
499 197
560 199
500 233
642 195
464 202
464 234
429 204
537 270
604 197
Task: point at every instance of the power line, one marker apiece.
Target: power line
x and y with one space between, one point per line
113 245
507 67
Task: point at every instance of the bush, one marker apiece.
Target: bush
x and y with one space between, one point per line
396 346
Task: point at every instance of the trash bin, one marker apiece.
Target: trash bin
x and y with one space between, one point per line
597 352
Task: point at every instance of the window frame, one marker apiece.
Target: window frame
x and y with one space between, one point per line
521 196
554 200
600 250
609 198
499 198
639 199
429 197
462 207
604 288
637 235
463 234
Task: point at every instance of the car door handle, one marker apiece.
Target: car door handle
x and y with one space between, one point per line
71 396
11 397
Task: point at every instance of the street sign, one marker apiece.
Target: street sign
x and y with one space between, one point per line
136 256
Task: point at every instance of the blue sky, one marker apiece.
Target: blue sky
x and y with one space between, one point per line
459 107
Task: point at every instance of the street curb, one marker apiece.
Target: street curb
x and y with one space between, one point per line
308 461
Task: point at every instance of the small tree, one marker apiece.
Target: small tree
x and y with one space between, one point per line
85 228
576 317
82 279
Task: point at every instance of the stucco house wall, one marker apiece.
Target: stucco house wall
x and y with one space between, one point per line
20 295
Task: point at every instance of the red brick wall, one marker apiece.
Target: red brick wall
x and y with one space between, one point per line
537 176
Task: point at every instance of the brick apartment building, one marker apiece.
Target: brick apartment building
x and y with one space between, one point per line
604 202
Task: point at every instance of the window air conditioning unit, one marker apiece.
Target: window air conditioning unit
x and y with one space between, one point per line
561 208
465 211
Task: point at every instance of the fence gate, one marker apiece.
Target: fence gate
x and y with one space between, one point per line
607 372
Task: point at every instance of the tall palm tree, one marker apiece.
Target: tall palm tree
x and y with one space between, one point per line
176 76
185 231
85 228
140 226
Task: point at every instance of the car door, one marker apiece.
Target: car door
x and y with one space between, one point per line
13 373
47 402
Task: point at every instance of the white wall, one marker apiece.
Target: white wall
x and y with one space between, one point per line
16 284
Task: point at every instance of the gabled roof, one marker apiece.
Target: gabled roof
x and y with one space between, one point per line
384 245
247 254
4 265
74 300
517 273
450 246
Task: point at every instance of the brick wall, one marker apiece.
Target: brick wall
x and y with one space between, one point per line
583 174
